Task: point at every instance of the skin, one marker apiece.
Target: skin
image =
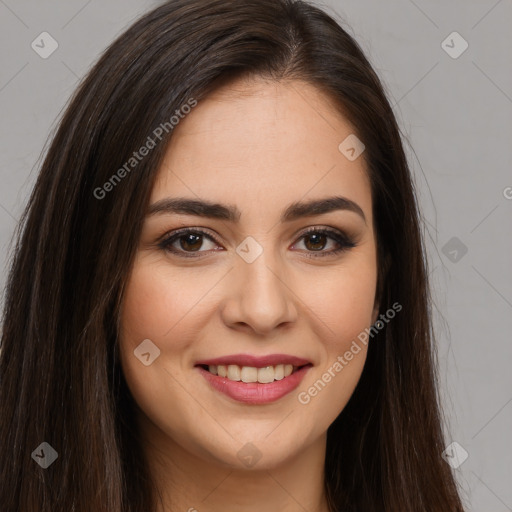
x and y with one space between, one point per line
260 146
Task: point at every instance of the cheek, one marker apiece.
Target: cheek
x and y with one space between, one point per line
164 305
158 307
151 310
157 304
344 301
344 304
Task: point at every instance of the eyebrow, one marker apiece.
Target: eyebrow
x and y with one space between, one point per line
212 210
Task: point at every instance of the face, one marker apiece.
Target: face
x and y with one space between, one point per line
270 287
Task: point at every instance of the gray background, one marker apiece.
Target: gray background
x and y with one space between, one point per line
455 114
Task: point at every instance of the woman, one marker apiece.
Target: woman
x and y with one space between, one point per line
219 294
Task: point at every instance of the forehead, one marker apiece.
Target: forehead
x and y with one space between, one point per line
260 143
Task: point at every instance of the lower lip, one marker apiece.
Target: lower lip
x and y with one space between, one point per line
255 392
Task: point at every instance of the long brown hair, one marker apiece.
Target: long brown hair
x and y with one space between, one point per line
61 380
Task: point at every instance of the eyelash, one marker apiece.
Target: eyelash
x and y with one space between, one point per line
343 240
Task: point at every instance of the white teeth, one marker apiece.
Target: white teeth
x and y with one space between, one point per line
233 372
249 374
252 374
266 375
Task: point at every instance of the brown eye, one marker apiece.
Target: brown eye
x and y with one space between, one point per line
190 241
315 241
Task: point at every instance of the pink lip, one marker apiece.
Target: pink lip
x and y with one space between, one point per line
256 361
255 392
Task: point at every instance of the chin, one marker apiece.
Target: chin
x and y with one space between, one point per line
259 452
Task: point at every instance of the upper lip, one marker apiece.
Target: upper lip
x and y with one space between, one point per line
255 361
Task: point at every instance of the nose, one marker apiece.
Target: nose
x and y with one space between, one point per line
258 298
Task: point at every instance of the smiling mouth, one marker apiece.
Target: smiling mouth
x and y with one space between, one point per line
248 374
